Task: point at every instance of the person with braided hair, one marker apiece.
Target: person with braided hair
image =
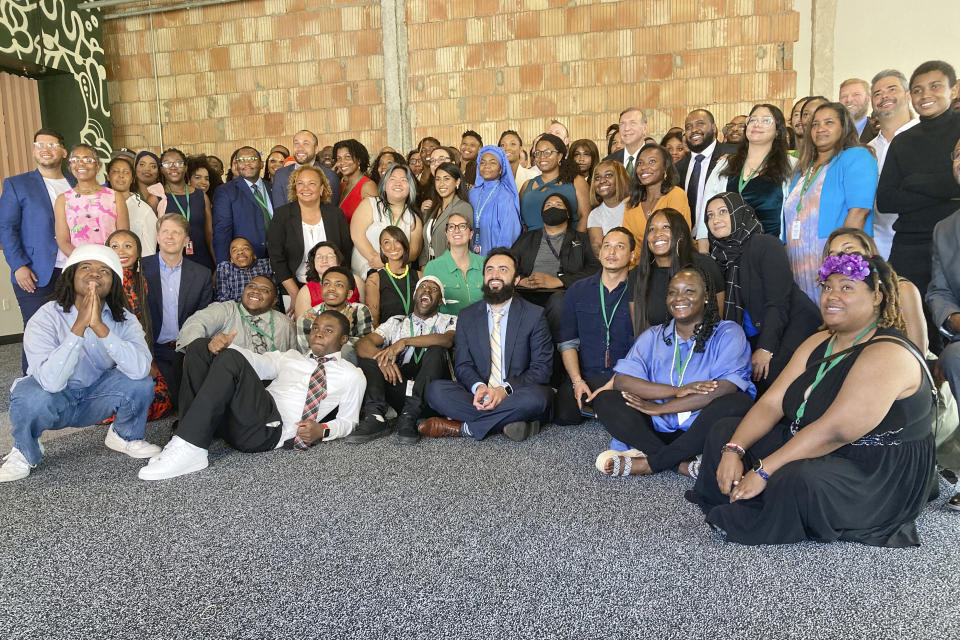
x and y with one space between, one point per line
676 381
813 460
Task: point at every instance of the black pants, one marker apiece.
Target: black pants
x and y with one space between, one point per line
552 302
665 450
910 258
170 363
565 409
221 395
433 366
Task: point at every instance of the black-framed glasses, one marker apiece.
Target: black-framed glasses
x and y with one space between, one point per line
458 226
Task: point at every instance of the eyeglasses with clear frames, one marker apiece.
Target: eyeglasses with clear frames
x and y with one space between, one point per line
766 121
83 160
46 145
435 161
546 153
247 159
169 164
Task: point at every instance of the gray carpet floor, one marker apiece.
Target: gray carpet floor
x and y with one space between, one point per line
450 538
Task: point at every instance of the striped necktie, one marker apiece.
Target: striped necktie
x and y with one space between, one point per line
496 351
261 199
316 392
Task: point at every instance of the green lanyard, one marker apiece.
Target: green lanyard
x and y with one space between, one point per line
809 180
390 214
825 368
677 366
741 183
260 198
393 281
419 356
606 322
186 196
273 344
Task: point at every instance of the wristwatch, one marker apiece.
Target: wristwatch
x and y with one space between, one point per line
758 469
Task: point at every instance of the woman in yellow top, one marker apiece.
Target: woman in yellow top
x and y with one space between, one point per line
653 187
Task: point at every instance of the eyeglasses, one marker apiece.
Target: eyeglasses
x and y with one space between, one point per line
414 161
546 153
83 160
460 226
766 121
325 257
248 159
169 164
436 161
46 145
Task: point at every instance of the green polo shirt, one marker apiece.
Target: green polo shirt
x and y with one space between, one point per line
458 292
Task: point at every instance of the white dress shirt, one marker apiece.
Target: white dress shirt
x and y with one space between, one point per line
883 221
290 372
704 169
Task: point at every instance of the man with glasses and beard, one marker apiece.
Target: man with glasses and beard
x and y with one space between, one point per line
503 361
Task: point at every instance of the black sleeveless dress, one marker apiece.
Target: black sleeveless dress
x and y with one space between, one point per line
868 491
391 304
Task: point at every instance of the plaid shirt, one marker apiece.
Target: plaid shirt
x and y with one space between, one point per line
231 279
361 323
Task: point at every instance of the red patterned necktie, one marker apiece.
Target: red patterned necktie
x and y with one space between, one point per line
316 392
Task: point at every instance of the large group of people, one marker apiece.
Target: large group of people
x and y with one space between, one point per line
724 308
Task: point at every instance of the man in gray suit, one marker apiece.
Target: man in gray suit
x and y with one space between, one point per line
943 294
305 145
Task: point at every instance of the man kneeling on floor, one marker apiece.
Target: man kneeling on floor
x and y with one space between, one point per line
503 361
414 354
222 395
87 360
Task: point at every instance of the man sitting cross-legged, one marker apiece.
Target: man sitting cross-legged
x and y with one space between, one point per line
87 360
254 322
222 395
503 360
414 353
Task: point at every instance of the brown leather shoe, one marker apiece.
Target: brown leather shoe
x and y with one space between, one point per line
440 428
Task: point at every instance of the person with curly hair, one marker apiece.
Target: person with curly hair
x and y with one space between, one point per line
677 380
353 160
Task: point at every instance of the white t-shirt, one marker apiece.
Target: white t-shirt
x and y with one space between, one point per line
56 186
606 218
312 234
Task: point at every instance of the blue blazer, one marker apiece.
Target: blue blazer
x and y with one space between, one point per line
527 352
26 225
196 290
281 184
236 214
851 181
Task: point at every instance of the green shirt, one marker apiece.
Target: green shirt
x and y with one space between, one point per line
458 292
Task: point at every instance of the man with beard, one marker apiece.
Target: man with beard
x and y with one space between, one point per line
26 224
242 208
503 362
855 96
399 359
88 360
305 145
700 134
734 131
253 323
311 398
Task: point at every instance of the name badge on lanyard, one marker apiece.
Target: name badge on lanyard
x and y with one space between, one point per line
795 230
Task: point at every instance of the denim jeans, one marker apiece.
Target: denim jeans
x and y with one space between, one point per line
34 410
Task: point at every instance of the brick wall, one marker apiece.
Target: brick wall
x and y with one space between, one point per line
259 70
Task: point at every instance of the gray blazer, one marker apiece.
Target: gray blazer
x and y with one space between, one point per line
943 292
438 240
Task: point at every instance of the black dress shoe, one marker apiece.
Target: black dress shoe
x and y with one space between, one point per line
369 429
954 502
407 429
520 431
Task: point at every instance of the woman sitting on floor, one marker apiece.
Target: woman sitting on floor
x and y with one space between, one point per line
841 445
659 422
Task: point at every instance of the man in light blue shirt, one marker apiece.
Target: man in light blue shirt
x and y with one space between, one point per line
87 360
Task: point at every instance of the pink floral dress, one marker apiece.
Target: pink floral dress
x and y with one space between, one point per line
92 217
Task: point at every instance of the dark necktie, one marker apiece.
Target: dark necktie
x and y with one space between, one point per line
262 203
316 392
693 188
630 168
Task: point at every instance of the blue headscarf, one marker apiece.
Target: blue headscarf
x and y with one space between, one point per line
496 206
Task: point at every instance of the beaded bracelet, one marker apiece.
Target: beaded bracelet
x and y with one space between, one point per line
732 446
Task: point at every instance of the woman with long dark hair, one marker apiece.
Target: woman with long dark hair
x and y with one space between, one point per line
389 291
142 214
585 156
654 186
451 198
193 204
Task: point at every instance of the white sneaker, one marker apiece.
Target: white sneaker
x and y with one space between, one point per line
15 466
178 458
133 448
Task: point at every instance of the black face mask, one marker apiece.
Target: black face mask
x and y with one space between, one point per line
554 216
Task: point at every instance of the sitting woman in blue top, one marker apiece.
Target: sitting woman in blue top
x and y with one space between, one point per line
495 202
834 185
677 380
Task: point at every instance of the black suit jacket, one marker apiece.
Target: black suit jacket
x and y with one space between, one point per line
616 155
719 151
576 256
285 237
196 290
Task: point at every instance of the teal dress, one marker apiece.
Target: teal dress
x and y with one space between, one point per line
459 292
537 192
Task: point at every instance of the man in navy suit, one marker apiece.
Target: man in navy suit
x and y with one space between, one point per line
242 208
503 362
305 145
176 289
26 224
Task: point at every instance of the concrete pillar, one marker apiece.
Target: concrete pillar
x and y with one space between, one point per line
395 54
823 48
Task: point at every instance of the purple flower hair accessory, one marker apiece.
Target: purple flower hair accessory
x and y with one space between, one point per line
852 265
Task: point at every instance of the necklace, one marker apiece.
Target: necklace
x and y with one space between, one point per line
393 280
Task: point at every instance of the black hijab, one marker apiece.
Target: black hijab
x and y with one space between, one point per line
727 251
